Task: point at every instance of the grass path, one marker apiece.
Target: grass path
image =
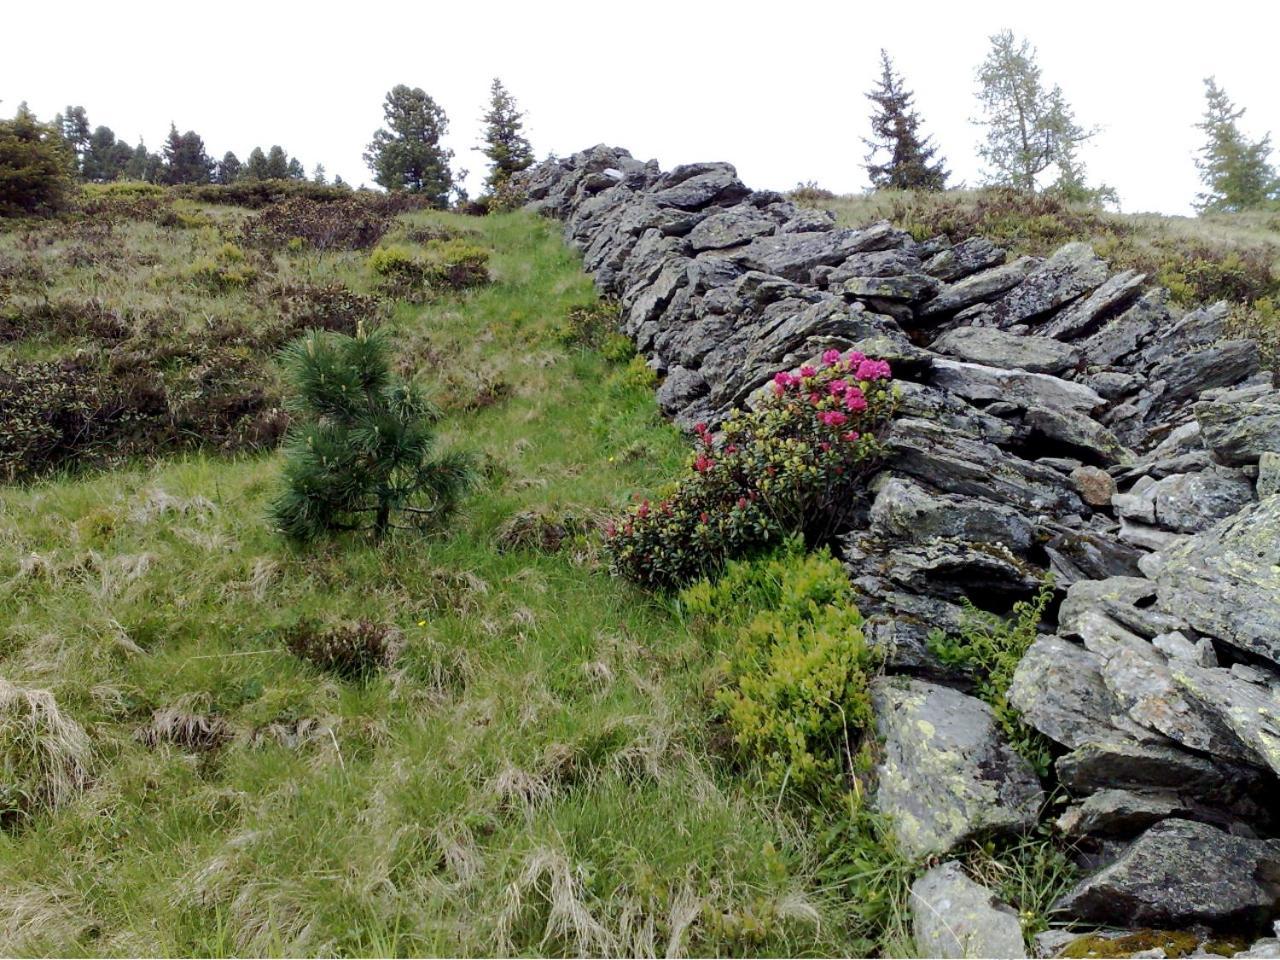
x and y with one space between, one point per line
534 777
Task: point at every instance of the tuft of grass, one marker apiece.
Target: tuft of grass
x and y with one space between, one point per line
44 754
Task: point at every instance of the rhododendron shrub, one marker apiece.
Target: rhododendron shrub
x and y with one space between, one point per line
794 465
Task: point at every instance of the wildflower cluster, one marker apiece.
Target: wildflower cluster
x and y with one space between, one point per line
794 465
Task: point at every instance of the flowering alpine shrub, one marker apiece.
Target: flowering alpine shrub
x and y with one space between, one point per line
794 465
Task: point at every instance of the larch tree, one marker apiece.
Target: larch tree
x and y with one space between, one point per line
505 144
407 154
1234 169
1030 127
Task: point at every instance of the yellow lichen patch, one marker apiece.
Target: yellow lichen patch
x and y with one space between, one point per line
1174 943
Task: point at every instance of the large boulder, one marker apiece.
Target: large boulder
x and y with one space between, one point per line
1058 689
947 774
1187 502
954 917
1072 270
1181 873
1238 427
978 288
1225 582
1085 314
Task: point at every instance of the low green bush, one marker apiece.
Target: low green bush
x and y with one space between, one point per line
352 651
303 223
798 667
989 648
794 465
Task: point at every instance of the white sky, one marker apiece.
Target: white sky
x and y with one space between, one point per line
777 89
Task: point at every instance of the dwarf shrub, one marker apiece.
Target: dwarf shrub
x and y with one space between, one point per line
794 465
352 651
344 224
798 667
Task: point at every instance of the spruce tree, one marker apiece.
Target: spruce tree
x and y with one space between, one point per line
318 175
296 170
505 145
1234 170
255 168
909 162
277 163
74 127
37 166
99 161
360 455
136 168
185 160
407 154
229 168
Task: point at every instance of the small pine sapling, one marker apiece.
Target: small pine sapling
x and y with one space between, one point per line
360 456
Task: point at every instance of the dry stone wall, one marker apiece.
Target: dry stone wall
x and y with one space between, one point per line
1057 417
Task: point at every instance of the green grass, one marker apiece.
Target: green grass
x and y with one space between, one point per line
535 774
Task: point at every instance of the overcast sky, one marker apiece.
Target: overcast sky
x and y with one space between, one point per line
776 88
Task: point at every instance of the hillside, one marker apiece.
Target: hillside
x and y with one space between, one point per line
514 750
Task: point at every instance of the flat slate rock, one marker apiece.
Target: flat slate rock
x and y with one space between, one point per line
1225 582
948 774
1181 873
999 348
1058 689
955 917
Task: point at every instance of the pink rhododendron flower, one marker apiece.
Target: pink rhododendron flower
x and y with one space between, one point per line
873 370
642 511
854 357
831 357
742 502
855 400
703 463
833 418
837 387
704 517
815 398
808 371
851 436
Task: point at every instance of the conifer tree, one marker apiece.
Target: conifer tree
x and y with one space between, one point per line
407 154
277 163
296 170
37 166
185 160
1030 127
229 168
361 454
909 162
74 127
318 176
1234 170
136 168
255 168
505 145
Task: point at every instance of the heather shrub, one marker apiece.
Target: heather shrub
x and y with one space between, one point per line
590 326
329 306
344 224
352 651
797 671
63 318
508 195
794 465
544 531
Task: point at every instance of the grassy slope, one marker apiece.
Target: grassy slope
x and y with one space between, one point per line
534 777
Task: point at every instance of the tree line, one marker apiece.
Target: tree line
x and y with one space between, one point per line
1032 134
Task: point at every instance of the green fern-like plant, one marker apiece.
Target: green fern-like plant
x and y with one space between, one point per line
361 453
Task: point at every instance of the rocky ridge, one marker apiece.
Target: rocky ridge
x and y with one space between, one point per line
1056 417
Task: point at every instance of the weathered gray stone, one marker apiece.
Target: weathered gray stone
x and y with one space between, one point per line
1079 433
729 228
1251 711
874 263
680 388
947 773
1239 431
1058 689
689 190
1030 390
1121 813
1235 881
1123 336
794 255
1114 762
908 511
1221 365
1073 270
1225 582
908 287
978 288
993 347
1268 482
954 569
1081 317
966 257
1187 502
954 917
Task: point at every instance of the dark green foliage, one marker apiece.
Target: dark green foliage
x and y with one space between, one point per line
352 651
360 456
73 126
228 170
256 193
443 265
36 168
895 131
1235 171
255 167
591 326
407 153
989 649
296 170
505 144
185 160
343 224
106 158
331 306
139 163
277 163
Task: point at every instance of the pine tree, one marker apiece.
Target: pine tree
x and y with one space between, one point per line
895 131
98 163
505 145
407 153
74 127
136 168
255 168
1234 170
360 456
318 175
229 168
37 166
1030 128
277 163
185 160
295 169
